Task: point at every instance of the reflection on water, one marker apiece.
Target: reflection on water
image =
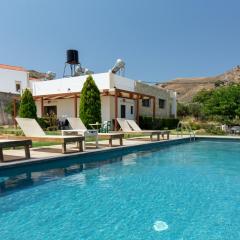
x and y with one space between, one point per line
27 178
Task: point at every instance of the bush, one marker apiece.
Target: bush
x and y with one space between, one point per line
90 102
149 123
213 129
182 110
48 123
43 123
27 107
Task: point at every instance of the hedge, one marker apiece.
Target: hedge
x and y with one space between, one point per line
149 123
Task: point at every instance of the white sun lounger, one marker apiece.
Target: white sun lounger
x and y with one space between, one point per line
131 127
78 126
32 130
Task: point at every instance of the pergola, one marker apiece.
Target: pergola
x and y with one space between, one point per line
114 92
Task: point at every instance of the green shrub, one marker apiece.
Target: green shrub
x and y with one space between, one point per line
43 123
149 123
194 125
90 102
213 129
48 123
27 107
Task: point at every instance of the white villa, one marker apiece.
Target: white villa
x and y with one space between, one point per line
13 80
120 97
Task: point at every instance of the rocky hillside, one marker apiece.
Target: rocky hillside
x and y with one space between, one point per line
33 74
186 88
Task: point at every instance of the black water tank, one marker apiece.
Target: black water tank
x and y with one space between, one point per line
72 56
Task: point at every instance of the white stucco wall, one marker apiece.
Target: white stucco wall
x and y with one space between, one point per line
105 108
71 84
128 103
122 82
75 84
173 96
65 107
8 79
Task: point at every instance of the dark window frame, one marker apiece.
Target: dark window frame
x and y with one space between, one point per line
161 103
146 102
18 86
131 110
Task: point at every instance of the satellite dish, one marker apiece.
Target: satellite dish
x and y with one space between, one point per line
78 71
82 71
87 71
50 75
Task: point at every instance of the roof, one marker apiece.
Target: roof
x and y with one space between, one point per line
15 68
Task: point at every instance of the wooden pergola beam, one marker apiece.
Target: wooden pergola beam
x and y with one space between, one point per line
42 106
75 105
154 107
137 110
15 112
116 109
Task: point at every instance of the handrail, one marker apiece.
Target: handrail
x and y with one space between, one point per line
187 127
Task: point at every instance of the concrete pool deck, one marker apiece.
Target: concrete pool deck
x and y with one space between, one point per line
15 157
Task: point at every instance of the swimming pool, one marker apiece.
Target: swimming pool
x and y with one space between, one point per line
186 191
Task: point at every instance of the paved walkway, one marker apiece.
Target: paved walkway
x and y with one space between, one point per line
13 155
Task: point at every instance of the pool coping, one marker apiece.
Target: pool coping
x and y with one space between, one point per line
114 150
123 149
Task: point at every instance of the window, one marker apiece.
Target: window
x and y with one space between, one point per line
131 110
18 86
146 103
161 103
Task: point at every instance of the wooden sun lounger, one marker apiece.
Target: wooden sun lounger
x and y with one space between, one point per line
131 127
78 127
15 143
33 131
111 136
106 136
151 133
63 140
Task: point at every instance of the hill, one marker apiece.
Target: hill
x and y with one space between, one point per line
186 88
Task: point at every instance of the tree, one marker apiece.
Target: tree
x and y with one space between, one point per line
195 109
90 102
182 109
223 101
202 96
27 105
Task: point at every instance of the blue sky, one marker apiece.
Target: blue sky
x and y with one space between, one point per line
158 39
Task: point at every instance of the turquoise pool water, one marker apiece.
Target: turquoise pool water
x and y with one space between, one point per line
182 192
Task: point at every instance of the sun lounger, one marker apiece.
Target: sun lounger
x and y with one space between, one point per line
78 126
4 143
32 130
131 127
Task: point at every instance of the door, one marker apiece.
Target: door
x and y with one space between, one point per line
123 111
50 110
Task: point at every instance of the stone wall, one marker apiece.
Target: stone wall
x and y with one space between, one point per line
159 94
5 98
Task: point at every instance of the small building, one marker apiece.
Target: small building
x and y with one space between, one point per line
120 97
13 80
